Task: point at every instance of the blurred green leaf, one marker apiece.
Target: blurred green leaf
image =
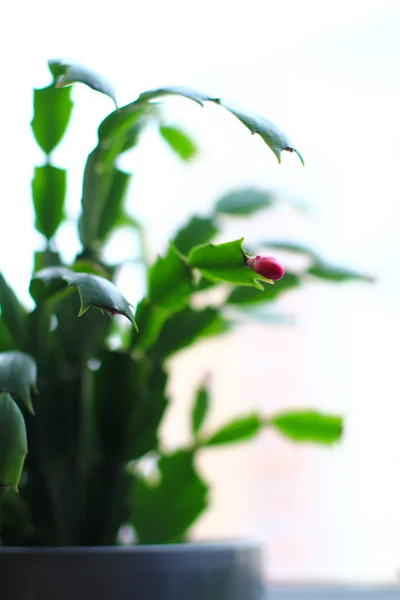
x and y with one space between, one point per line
68 73
58 273
132 135
51 113
130 402
205 284
13 442
100 293
119 131
151 406
170 281
244 202
12 313
199 230
185 92
217 326
308 426
93 290
97 183
18 375
186 327
88 266
45 258
78 341
50 283
268 132
105 186
163 512
6 340
226 263
248 295
332 273
48 192
126 220
149 319
289 247
15 521
272 136
200 408
113 204
178 141
239 430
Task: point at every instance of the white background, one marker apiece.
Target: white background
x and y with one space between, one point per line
328 75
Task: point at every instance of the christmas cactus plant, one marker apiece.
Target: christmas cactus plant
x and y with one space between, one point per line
78 412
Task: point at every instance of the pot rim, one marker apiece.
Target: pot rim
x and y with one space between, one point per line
202 546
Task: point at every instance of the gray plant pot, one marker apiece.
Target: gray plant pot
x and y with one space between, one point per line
172 572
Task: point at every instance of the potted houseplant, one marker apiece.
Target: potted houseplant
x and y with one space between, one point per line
73 451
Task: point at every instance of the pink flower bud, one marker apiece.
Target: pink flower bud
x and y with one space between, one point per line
267 266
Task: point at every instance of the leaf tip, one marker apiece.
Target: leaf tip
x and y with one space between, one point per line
26 398
129 315
82 310
290 149
258 285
